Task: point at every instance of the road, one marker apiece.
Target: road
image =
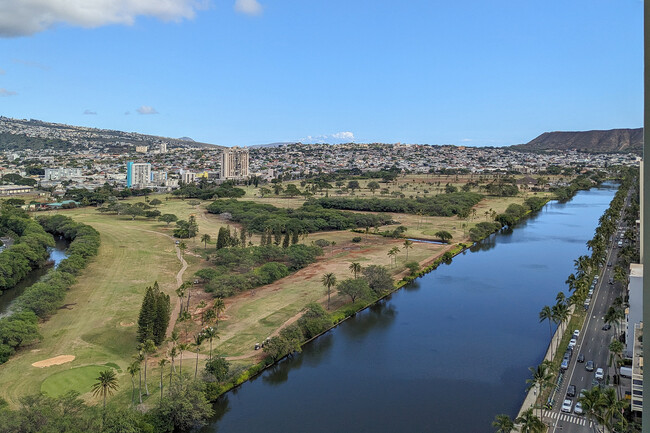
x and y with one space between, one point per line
593 343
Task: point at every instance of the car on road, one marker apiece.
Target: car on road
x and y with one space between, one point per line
578 409
567 405
589 366
609 265
573 343
607 327
581 357
571 391
611 281
600 374
576 333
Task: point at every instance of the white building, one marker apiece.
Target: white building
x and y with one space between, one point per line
62 173
634 314
138 174
187 176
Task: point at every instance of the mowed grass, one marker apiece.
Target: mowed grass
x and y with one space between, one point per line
79 379
97 325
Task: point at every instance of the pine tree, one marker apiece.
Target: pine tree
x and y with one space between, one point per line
222 238
294 237
242 237
147 315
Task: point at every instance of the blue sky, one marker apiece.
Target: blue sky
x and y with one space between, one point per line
243 72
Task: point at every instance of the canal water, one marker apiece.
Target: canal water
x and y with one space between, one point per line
445 354
57 253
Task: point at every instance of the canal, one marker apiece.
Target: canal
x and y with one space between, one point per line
446 353
57 253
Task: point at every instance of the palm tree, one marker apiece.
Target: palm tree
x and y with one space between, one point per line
205 239
612 406
560 298
408 244
616 350
139 358
355 268
329 281
547 314
182 246
592 405
146 348
132 369
503 423
530 423
198 339
560 316
181 348
219 307
106 384
541 378
173 352
162 364
180 292
210 333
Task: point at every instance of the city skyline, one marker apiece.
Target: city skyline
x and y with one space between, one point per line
253 72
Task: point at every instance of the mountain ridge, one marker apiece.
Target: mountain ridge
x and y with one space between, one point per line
626 140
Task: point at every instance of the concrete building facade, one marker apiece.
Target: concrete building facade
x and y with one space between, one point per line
234 163
138 174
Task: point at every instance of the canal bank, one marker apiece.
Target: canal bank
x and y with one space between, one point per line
57 253
453 346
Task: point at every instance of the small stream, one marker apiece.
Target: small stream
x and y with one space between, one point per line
57 254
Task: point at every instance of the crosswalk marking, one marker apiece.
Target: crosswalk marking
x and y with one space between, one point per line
565 417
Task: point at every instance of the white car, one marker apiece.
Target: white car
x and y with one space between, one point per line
576 333
573 343
600 374
566 406
578 409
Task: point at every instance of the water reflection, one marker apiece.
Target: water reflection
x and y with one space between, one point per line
445 354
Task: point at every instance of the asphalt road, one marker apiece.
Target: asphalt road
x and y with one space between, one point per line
593 343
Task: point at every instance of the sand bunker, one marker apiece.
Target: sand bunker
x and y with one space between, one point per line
57 360
126 324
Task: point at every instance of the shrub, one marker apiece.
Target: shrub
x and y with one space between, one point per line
356 239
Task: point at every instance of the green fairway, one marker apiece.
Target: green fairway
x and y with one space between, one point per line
78 379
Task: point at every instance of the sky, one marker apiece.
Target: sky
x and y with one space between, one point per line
245 72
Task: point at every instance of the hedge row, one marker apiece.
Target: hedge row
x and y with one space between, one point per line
29 250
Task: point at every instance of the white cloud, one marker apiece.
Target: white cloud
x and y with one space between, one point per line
5 92
338 137
26 17
248 7
90 112
146 109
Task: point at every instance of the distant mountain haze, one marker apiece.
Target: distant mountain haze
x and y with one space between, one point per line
613 140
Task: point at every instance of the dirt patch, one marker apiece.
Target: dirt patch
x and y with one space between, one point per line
57 360
126 324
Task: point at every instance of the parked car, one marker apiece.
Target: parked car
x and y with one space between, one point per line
581 358
565 363
571 391
600 374
576 333
573 343
567 405
607 327
578 409
589 366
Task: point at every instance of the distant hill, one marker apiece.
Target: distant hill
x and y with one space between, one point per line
613 140
278 144
21 134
